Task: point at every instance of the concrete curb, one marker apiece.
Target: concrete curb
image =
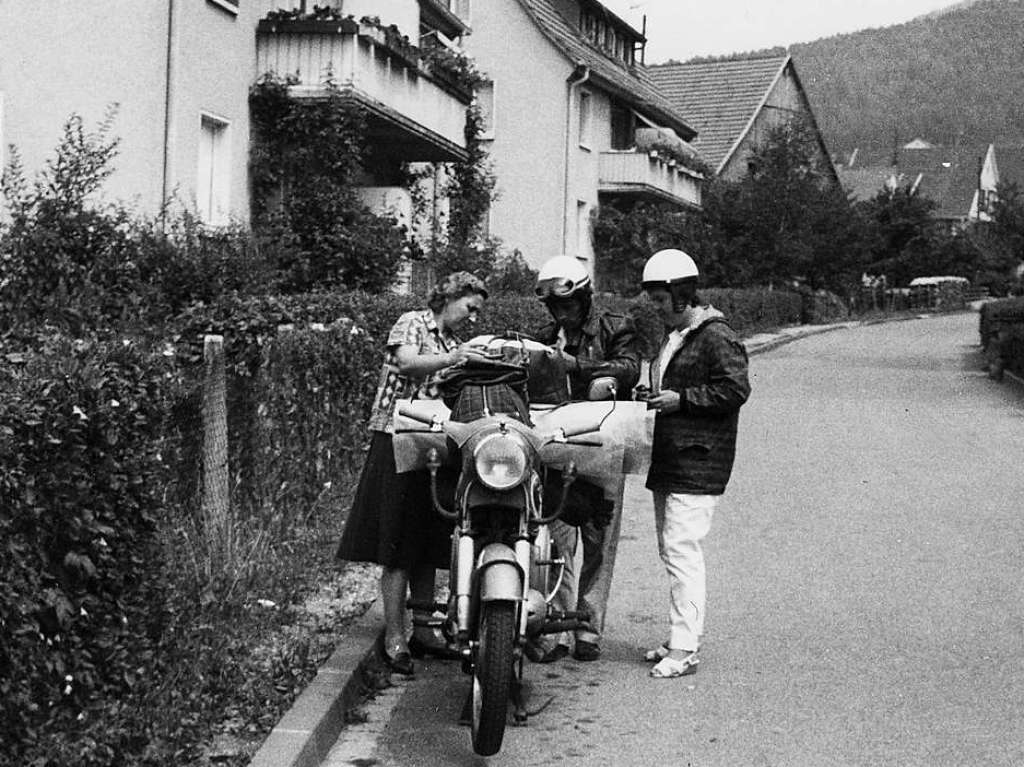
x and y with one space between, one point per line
311 726
765 342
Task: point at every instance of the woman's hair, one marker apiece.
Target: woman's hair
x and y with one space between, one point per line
454 287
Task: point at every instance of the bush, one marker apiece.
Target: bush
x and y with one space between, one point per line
80 481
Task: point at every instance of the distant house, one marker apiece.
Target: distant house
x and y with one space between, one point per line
960 180
574 121
733 103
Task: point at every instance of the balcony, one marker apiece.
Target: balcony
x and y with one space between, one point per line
648 176
413 114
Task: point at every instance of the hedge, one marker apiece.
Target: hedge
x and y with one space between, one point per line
80 481
1001 332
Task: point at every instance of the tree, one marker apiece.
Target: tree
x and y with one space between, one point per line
902 233
786 220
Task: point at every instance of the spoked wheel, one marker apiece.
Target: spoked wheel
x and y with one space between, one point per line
492 675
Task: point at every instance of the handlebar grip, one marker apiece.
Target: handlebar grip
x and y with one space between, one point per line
586 442
415 415
589 429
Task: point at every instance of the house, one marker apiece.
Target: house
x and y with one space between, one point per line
574 121
960 180
181 74
734 103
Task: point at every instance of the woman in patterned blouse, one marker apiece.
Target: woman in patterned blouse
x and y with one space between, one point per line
392 521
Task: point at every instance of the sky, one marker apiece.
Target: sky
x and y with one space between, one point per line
681 29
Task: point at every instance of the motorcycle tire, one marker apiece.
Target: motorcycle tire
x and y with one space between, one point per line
492 676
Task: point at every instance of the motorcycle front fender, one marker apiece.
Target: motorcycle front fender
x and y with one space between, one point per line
499 576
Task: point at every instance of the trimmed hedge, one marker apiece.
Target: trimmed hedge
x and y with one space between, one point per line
80 481
1001 332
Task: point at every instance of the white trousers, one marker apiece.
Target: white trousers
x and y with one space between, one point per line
682 523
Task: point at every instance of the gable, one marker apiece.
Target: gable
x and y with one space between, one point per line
720 98
727 100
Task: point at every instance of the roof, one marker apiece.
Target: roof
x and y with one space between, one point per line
631 84
947 176
720 97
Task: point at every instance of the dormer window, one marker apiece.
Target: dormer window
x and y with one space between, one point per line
608 37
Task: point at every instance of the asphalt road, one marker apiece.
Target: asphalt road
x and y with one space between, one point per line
866 586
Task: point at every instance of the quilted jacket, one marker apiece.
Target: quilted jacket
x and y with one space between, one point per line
608 348
694 447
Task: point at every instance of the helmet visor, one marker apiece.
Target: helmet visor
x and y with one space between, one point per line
557 287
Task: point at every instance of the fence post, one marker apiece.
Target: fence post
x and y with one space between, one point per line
215 447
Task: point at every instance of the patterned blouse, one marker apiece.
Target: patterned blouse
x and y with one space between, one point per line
412 329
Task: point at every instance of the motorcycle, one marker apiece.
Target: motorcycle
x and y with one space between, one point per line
505 568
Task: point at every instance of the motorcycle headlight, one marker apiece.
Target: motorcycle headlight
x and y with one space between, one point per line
500 462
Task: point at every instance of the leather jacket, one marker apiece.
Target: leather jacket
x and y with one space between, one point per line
607 348
694 447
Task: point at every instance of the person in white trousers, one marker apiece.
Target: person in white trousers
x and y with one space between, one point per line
698 384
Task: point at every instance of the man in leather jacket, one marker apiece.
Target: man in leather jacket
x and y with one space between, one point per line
596 347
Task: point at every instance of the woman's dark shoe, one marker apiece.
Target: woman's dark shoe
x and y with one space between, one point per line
400 663
419 649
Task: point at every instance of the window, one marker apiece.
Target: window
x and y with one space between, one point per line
485 101
582 229
213 184
231 6
622 127
585 119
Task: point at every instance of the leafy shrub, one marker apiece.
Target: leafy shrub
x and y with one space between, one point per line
306 155
80 480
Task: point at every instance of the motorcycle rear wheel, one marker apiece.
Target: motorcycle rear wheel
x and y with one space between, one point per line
492 676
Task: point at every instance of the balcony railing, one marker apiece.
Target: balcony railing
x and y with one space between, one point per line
648 175
416 113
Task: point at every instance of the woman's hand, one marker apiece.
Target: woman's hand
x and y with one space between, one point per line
464 352
665 401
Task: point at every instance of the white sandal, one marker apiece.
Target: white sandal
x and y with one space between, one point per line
670 668
659 652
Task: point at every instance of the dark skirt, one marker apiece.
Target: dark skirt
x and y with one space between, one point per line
393 521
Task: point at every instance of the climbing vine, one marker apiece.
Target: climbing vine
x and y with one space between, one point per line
305 158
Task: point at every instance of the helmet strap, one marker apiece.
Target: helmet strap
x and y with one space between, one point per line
684 294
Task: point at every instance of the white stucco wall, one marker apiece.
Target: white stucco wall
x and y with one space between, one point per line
528 150
66 56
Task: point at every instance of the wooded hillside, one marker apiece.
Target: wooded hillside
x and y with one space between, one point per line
960 72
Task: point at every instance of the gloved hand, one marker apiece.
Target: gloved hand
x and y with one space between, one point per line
571 363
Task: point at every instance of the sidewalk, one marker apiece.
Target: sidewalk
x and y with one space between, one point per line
308 730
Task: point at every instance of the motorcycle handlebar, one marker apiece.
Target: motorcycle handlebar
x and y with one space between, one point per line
415 415
585 429
586 442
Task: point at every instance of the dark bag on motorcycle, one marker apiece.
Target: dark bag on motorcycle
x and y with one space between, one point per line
485 385
584 503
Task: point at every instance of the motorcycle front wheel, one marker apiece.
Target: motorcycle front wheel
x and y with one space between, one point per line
492 675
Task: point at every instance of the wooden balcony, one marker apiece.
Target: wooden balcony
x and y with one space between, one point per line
648 176
413 114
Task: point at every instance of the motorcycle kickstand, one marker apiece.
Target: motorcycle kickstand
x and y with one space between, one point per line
519 714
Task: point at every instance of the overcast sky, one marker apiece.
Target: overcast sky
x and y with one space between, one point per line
681 29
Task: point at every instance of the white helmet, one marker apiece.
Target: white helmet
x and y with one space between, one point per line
669 267
562 277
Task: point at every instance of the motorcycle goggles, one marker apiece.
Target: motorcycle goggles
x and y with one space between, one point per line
500 462
557 287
